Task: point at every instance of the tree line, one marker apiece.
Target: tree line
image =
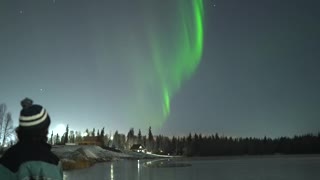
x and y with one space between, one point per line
190 145
197 144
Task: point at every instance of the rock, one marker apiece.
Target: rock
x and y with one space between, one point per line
68 164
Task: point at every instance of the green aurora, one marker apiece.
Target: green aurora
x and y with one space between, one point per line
175 52
185 60
158 56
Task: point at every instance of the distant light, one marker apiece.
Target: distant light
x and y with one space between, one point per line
84 134
60 129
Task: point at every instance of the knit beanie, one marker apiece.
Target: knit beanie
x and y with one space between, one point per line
32 116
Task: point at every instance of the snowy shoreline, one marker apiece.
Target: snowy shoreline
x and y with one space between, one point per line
83 156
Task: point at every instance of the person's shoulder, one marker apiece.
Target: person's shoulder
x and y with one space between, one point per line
9 153
38 152
20 153
52 158
33 170
5 173
47 155
39 169
11 158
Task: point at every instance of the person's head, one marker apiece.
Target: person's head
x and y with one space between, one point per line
34 122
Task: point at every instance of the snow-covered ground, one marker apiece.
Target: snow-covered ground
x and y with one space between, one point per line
81 156
90 152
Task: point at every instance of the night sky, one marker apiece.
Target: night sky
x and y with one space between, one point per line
235 67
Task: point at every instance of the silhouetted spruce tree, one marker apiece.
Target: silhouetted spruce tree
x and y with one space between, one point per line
139 141
102 132
150 141
156 145
66 135
72 137
116 140
144 141
130 138
87 132
122 141
57 140
102 137
51 138
174 146
78 137
188 151
93 134
195 144
166 145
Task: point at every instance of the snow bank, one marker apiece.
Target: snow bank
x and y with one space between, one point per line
82 156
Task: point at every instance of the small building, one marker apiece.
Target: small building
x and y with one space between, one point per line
138 148
91 140
70 144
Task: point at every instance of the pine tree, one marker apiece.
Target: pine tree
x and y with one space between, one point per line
102 132
87 132
72 137
93 132
116 139
130 138
51 138
139 137
150 142
66 135
102 138
57 140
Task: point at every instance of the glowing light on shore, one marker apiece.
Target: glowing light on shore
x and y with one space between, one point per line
59 129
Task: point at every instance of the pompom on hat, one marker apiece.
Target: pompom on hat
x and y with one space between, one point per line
33 116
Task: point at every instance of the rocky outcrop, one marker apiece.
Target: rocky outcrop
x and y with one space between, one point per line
83 156
77 157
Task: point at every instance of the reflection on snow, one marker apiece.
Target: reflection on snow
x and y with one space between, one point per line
138 169
111 172
165 163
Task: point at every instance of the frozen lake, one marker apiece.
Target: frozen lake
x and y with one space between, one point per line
225 168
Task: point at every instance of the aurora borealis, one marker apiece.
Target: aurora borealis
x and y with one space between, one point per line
174 56
236 67
187 51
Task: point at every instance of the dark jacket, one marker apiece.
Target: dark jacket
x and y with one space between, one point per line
28 160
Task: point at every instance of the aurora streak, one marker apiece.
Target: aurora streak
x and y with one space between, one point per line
174 65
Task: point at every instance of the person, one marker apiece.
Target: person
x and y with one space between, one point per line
31 157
